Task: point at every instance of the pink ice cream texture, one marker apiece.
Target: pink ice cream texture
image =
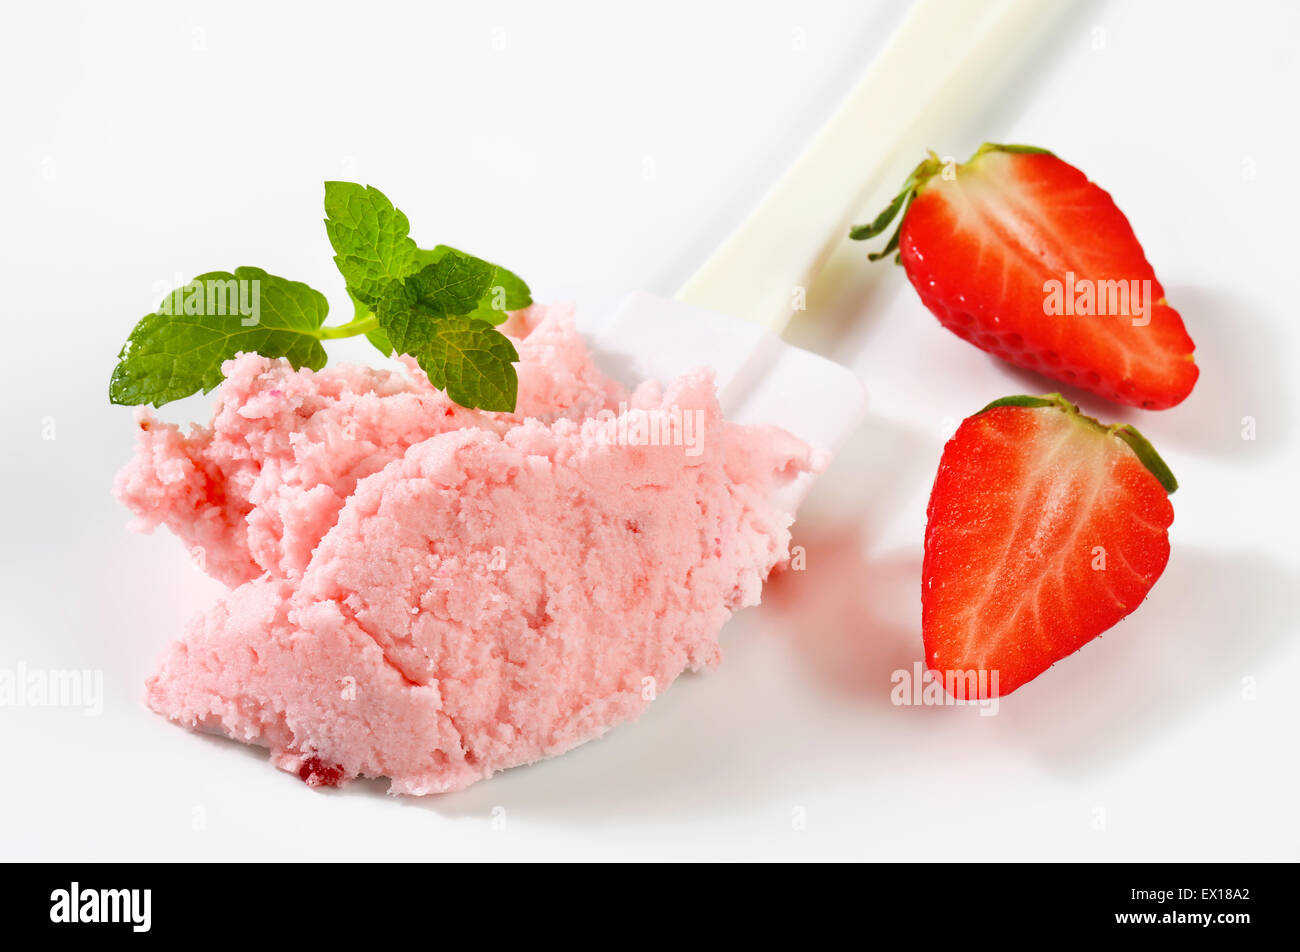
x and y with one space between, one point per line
431 594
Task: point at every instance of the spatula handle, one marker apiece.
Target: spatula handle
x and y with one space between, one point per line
945 50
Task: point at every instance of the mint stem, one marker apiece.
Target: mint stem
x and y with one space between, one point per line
358 325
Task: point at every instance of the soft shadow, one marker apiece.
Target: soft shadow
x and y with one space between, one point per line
1213 619
1242 375
708 744
1022 90
845 307
1033 383
781 146
851 620
870 480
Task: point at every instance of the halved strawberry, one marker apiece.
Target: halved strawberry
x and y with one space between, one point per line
1018 253
1044 529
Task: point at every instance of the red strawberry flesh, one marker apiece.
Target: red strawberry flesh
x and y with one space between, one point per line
982 244
1044 529
314 772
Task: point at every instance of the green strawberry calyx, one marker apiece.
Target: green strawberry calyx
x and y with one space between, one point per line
929 167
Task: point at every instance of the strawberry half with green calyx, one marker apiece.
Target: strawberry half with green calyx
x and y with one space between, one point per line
1018 253
1044 529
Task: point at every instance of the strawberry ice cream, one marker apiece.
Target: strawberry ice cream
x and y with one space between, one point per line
431 594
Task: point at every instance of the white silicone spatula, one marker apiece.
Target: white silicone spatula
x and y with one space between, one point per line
730 314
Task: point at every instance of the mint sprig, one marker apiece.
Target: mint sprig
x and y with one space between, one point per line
373 248
437 305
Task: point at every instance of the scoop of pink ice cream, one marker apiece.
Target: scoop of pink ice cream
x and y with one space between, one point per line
447 593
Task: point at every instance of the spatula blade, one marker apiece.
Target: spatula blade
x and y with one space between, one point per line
761 379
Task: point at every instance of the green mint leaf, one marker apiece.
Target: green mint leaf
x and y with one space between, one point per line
451 286
380 340
369 237
473 362
428 316
506 290
178 350
454 284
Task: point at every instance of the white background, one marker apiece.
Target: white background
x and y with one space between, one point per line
611 147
